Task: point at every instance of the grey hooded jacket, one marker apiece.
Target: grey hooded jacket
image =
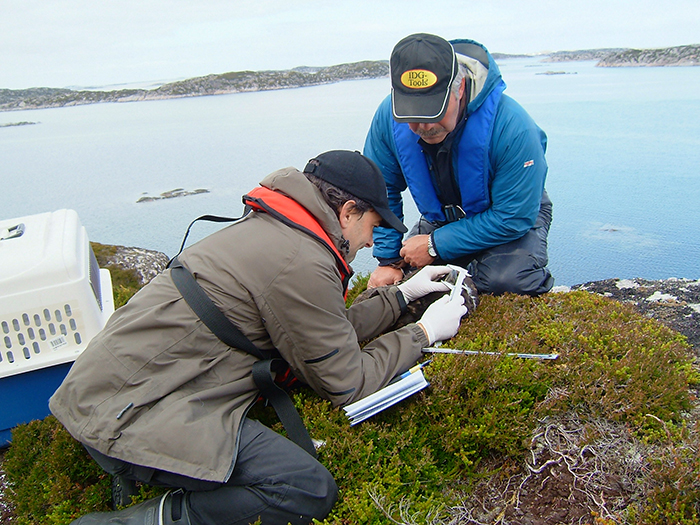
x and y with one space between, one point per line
157 388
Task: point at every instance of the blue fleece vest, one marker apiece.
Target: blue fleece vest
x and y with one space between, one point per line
470 161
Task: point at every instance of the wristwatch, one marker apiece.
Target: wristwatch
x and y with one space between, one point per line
431 248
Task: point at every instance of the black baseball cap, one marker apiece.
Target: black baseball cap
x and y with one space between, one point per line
359 176
423 67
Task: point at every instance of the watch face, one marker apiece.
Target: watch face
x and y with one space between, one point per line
431 248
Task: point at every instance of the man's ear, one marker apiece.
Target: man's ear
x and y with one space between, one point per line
346 212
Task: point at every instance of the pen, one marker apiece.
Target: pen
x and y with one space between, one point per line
413 370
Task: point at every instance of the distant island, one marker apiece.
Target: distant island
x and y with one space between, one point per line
178 192
242 81
583 54
557 73
621 57
11 124
233 82
670 56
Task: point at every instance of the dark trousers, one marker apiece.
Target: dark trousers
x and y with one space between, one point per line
273 480
519 266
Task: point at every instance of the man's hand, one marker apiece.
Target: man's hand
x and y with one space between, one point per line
441 320
383 276
424 282
415 251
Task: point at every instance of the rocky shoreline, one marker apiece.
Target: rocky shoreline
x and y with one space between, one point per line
146 264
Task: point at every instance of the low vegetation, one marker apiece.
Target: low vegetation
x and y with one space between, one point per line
606 434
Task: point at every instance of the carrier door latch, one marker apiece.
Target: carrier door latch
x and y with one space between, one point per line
12 232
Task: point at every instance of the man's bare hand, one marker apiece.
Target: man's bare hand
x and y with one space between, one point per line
415 251
383 276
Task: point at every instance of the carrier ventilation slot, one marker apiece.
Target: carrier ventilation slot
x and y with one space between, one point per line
31 334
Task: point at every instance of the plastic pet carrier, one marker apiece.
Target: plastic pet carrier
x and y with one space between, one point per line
53 299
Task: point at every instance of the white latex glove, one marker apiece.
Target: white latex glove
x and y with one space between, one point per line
424 283
441 320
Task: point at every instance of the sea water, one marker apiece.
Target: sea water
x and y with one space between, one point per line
623 155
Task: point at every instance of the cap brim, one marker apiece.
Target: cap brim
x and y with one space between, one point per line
389 220
419 108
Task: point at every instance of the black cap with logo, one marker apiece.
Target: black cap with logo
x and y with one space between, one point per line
359 176
423 67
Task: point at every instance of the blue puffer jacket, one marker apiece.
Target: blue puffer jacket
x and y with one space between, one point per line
500 157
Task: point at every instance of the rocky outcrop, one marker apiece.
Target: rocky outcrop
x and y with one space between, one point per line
674 302
145 263
670 56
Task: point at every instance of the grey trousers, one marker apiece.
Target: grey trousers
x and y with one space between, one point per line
519 266
273 479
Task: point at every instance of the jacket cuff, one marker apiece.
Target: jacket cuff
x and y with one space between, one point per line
388 261
421 338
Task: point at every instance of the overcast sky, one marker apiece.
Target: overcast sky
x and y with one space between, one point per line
89 43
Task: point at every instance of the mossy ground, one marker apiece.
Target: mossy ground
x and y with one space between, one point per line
605 434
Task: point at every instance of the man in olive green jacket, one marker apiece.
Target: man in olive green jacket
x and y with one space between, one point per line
158 398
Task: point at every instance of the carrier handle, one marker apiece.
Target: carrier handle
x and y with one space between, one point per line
13 232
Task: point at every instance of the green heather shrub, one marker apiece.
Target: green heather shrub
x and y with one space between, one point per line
613 364
51 479
414 462
359 285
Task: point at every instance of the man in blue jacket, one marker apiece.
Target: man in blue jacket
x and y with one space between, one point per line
474 162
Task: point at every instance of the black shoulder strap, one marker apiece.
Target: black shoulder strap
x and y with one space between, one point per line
282 403
210 218
229 333
208 312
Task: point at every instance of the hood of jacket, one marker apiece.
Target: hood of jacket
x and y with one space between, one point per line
293 183
482 70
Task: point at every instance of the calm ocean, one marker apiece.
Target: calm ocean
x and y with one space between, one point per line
623 154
